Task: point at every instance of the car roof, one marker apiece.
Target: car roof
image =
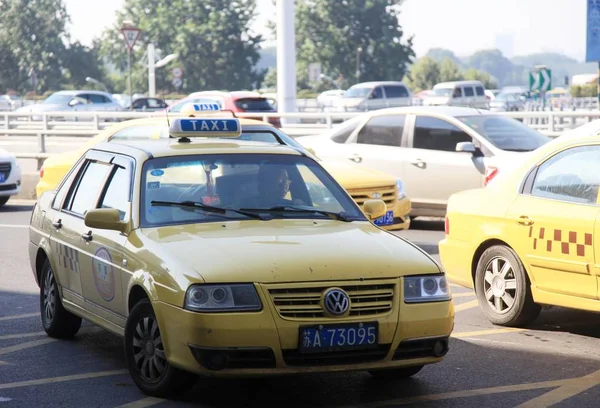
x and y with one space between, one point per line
376 83
75 92
455 83
441 110
174 147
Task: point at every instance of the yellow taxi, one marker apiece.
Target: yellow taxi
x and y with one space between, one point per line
527 239
226 276
361 182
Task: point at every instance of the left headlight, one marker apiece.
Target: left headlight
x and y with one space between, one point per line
401 192
222 298
426 288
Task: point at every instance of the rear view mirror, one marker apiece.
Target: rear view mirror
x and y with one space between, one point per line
374 209
466 147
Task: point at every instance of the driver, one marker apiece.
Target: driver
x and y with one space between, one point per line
273 185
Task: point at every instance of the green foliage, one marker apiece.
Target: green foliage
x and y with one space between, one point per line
213 42
339 34
427 72
31 37
584 91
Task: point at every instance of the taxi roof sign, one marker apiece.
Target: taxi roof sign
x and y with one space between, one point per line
183 128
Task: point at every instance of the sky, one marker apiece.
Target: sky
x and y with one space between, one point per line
516 27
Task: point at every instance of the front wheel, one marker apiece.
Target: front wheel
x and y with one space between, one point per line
396 373
503 288
3 200
145 355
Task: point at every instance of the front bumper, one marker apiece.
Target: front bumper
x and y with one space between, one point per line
11 184
265 343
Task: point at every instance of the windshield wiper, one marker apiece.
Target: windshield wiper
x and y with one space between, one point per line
290 208
207 208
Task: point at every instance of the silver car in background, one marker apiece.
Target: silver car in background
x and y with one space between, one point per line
73 101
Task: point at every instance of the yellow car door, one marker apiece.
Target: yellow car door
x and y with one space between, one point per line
99 261
553 221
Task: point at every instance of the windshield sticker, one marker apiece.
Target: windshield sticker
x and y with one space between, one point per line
153 184
104 277
157 172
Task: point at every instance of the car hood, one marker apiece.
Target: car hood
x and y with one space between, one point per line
43 107
280 251
351 175
5 155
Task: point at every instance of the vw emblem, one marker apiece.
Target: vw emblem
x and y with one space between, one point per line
336 302
376 195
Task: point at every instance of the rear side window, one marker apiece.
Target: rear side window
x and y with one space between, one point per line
395 91
479 91
469 91
93 98
253 105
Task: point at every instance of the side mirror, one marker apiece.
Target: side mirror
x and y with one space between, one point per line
466 147
374 209
74 102
105 218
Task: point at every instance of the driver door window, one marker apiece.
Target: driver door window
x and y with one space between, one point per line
572 175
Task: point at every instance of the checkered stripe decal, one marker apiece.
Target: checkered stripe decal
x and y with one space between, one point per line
560 241
68 258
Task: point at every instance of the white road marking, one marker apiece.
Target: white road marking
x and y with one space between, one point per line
5 399
21 316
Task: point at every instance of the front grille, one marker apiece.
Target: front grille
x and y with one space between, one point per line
360 195
5 168
305 302
295 358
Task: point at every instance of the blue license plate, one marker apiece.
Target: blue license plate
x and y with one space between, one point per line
387 219
335 337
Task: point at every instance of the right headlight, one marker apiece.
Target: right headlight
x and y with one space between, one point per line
425 288
222 298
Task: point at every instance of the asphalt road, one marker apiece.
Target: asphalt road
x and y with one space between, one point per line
555 362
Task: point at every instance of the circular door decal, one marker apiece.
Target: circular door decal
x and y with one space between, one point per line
104 277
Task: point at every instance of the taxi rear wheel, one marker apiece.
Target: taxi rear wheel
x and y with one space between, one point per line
396 373
145 355
57 321
503 288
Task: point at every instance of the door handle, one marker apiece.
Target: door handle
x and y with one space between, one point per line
57 224
355 158
525 220
419 163
87 237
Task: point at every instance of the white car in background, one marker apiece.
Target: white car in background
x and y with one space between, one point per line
10 176
435 150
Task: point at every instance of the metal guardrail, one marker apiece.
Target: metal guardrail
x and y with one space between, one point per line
551 123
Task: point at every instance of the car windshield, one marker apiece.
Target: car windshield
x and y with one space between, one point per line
178 189
506 96
505 133
254 105
58 99
357 92
441 92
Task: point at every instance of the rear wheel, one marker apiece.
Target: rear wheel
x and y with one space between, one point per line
503 288
396 373
145 355
57 321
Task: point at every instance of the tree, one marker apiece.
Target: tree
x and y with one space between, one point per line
474 75
423 74
346 35
32 40
213 41
449 71
81 62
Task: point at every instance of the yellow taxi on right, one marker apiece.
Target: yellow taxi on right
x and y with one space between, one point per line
528 238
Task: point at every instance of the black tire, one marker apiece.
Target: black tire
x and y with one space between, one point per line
523 310
396 373
58 322
168 380
3 200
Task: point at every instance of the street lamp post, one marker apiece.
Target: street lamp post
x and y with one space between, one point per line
152 65
358 51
